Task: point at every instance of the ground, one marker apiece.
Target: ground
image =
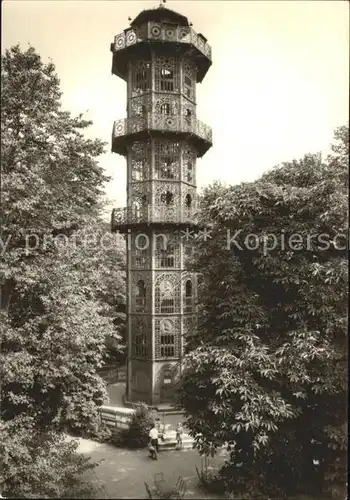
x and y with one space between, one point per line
123 473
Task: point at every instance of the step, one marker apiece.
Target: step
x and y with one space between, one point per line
170 442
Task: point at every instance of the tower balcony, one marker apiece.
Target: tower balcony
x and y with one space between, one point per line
129 129
138 38
127 217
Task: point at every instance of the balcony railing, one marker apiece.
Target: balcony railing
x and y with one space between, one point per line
153 214
163 123
163 32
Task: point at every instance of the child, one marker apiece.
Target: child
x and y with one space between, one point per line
179 435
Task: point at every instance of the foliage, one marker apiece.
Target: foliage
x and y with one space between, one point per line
35 464
59 292
136 436
267 367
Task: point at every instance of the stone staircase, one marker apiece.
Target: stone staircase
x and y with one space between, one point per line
169 442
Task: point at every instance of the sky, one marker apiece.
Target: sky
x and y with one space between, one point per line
277 89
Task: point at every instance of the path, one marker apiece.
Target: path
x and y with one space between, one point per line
122 473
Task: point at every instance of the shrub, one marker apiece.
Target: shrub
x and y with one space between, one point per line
40 465
137 434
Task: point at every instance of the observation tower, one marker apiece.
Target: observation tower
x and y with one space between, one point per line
161 58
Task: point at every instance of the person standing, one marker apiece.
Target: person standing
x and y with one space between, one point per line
179 432
153 435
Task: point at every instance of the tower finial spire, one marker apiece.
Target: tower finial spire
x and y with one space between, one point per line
161 5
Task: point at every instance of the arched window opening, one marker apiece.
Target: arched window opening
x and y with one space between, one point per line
141 77
188 297
168 168
167 338
189 172
165 109
167 256
188 87
167 80
140 296
167 160
138 170
140 339
165 297
167 198
188 200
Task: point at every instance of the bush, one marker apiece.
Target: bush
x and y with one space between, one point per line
137 434
40 465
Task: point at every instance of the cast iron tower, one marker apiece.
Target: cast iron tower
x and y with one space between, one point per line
161 58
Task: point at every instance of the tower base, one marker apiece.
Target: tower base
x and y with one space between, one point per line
153 383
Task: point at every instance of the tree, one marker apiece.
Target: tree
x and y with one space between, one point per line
266 368
56 308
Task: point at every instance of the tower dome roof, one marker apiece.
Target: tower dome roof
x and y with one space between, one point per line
159 14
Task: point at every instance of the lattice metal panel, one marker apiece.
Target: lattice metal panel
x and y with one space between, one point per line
141 161
168 293
167 104
140 106
188 110
141 335
140 248
140 196
141 77
167 338
167 160
141 32
188 251
141 290
167 250
167 74
188 293
189 196
189 159
188 84
167 194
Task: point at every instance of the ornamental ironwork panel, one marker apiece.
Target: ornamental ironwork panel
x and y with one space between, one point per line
140 248
189 79
141 77
168 293
130 38
189 158
166 194
164 123
140 106
188 294
141 336
167 337
153 213
189 195
141 291
167 250
162 32
140 197
140 161
167 160
167 74
167 104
